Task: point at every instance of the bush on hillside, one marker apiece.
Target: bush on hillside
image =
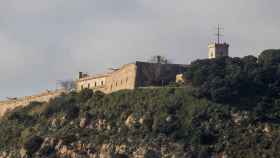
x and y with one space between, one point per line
33 144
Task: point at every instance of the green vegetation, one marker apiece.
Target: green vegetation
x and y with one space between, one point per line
232 108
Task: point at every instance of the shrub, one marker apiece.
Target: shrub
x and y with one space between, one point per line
151 154
85 94
121 156
33 144
270 57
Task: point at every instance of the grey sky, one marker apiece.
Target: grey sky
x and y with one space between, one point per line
42 41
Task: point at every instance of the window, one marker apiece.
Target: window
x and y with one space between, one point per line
102 82
121 82
95 84
82 87
88 85
116 83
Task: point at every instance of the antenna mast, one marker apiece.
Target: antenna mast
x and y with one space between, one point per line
219 33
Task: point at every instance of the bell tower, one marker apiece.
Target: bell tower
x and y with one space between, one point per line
218 49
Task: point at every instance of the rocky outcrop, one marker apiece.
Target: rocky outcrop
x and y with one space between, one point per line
130 121
53 147
238 117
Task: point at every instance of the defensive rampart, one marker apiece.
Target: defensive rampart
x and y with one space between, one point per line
9 105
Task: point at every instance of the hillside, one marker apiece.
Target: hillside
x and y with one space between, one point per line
230 108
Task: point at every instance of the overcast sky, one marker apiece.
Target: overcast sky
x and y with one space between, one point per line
42 41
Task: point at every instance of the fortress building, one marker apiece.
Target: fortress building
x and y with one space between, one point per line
131 76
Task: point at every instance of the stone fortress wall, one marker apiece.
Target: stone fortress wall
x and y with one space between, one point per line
123 78
9 105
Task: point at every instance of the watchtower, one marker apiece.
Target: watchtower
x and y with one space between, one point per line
218 49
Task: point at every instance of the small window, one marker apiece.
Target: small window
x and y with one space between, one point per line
121 82
102 83
95 84
116 84
126 79
89 85
82 87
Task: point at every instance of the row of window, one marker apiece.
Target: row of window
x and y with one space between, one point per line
115 83
121 82
94 85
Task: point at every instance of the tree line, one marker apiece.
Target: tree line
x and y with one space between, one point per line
232 79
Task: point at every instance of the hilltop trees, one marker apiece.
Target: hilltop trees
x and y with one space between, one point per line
231 79
67 84
270 57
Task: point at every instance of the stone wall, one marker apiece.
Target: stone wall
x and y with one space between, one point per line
153 74
124 78
9 105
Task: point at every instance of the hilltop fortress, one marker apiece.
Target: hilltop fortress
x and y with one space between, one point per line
142 74
127 77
